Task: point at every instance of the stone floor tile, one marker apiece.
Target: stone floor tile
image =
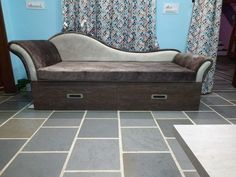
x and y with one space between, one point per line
36 165
8 148
20 128
52 139
215 101
31 113
136 119
168 128
102 114
12 105
99 128
65 119
226 111
143 139
100 174
206 118
169 114
5 116
180 155
191 174
150 165
95 155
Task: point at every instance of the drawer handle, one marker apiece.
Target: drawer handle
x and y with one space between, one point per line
75 96
159 97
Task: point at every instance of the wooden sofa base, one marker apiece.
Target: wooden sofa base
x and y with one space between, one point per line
115 96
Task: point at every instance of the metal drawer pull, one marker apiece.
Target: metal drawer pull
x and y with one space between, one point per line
159 97
75 96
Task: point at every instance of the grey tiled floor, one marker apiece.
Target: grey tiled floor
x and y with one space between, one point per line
92 174
95 154
101 143
233 121
191 174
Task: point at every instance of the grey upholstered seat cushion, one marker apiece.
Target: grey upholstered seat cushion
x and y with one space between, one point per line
117 72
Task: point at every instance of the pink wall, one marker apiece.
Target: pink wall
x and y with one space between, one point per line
225 31
234 6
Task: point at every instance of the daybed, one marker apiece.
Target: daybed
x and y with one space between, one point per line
74 71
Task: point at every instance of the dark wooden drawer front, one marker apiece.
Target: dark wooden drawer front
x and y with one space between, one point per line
73 96
116 96
159 96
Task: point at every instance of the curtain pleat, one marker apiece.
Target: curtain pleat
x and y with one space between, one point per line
123 24
203 35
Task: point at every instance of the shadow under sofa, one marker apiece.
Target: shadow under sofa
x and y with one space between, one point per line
75 71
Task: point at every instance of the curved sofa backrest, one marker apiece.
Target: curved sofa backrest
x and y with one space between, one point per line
78 47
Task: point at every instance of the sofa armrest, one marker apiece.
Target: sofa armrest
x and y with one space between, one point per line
35 54
198 64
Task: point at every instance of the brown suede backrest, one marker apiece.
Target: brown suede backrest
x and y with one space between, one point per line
189 61
42 52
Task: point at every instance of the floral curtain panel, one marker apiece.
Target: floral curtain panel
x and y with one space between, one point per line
123 24
204 34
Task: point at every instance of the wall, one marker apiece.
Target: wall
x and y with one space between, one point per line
16 64
23 23
172 30
226 27
225 31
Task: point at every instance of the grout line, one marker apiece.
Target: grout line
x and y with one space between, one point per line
189 171
146 152
219 114
72 146
123 111
231 119
141 127
21 149
225 81
14 115
223 77
199 111
221 105
120 146
232 101
189 118
29 118
69 127
226 90
12 111
44 152
73 111
171 118
232 122
14 138
101 118
94 138
171 152
229 90
207 105
170 138
213 94
92 171
224 99
221 73
6 99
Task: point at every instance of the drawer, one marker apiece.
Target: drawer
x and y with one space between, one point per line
116 96
74 96
159 96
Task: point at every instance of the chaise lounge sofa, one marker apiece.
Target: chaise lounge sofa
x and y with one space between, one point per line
74 71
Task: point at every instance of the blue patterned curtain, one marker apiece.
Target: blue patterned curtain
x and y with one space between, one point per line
123 24
204 34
